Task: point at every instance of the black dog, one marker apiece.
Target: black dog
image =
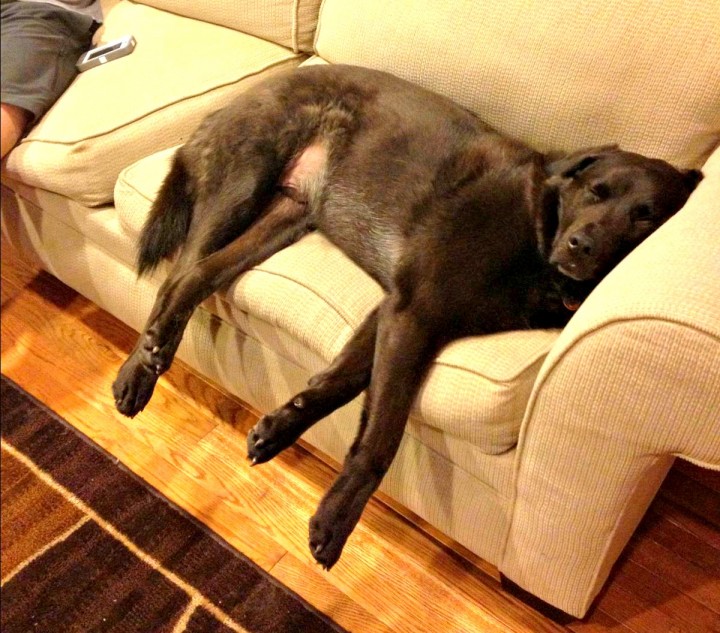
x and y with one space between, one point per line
467 231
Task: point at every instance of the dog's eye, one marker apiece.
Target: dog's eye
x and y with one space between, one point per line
599 191
641 212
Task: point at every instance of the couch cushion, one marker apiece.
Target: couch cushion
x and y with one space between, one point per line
558 75
114 114
290 23
312 295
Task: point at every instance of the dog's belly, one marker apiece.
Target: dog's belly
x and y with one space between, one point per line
366 234
344 217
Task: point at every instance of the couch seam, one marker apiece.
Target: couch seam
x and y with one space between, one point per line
294 20
535 358
317 27
125 183
432 449
165 106
538 356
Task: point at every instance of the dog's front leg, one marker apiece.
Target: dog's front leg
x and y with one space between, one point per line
344 379
405 347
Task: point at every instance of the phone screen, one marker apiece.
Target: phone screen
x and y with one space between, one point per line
103 51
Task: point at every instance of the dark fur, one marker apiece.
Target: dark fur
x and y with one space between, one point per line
465 229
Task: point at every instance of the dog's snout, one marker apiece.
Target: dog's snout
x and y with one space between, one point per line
581 244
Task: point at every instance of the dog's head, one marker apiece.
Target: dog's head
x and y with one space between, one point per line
602 202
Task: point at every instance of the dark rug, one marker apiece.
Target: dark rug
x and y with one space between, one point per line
88 546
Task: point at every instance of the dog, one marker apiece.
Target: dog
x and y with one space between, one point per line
467 231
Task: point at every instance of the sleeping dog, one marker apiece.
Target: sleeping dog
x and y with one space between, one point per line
467 231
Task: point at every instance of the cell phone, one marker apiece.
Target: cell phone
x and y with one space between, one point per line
105 53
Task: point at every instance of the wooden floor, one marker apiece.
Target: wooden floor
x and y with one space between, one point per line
190 444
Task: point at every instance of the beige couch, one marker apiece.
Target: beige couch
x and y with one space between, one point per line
538 450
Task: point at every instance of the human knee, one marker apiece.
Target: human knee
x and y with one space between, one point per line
13 122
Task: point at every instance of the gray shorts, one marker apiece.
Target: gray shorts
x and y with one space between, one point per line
40 45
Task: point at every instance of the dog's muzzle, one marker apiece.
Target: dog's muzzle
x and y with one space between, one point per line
574 255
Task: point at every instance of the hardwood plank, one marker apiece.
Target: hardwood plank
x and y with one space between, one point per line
689 493
636 613
598 621
689 521
311 583
678 574
661 525
654 589
705 476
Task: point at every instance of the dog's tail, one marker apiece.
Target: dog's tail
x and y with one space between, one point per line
167 225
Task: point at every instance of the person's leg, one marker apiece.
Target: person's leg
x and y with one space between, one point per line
13 121
40 44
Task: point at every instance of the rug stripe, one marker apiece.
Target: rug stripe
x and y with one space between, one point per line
64 536
181 626
32 514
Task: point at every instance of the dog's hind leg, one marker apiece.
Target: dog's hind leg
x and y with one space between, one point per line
344 379
189 283
405 347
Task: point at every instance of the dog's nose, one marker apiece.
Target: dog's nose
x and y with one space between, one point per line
581 244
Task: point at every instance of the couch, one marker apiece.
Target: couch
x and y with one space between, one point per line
537 450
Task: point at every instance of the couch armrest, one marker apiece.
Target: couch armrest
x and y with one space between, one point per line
632 382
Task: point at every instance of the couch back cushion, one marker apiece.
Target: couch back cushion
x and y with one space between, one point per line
558 75
290 23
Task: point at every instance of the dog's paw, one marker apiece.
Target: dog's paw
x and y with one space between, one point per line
153 355
133 387
274 432
261 447
328 534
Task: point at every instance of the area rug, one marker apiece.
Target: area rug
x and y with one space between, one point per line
88 546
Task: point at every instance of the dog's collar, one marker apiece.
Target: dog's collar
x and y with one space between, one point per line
546 218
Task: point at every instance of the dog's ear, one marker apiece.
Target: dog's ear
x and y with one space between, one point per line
692 177
571 165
